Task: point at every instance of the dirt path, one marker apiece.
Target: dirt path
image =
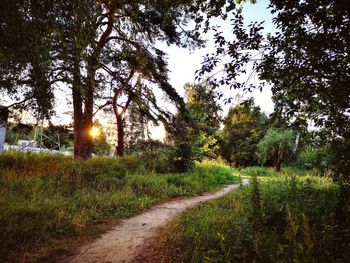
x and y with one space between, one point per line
126 240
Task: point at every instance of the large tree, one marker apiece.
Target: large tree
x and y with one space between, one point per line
203 103
84 39
25 75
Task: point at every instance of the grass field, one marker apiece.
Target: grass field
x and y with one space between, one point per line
289 217
47 200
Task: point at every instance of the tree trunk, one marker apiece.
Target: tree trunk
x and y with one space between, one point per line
92 65
88 112
120 141
278 164
77 111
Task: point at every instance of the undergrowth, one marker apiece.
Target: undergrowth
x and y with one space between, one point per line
288 218
45 199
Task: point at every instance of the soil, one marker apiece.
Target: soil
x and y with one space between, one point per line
134 239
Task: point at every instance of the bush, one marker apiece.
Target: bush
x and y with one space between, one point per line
157 161
317 158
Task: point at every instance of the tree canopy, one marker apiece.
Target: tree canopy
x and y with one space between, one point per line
244 127
203 104
87 44
306 61
278 145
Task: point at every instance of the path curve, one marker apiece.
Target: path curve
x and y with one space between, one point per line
124 242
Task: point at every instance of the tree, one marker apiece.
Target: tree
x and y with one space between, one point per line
57 136
25 73
244 127
278 145
306 61
318 158
19 131
308 64
202 103
140 98
51 37
182 135
81 42
137 129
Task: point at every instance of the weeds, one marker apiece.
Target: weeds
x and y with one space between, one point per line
297 224
47 198
257 171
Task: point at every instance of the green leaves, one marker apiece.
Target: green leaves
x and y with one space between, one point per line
307 62
277 144
244 127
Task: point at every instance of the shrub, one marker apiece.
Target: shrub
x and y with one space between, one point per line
157 161
318 158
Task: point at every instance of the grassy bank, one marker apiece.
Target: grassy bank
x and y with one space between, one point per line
47 199
286 218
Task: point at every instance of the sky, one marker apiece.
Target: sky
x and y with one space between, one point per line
183 63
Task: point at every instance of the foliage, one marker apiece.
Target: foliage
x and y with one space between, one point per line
297 224
277 144
208 146
304 60
157 161
255 201
100 145
56 133
19 131
318 158
89 45
317 70
257 171
25 56
47 199
146 145
202 103
182 136
137 134
245 126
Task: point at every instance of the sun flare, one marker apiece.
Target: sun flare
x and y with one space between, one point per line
94 132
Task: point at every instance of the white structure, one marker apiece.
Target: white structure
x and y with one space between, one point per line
3 121
26 145
2 137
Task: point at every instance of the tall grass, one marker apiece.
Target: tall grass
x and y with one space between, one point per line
47 199
261 172
288 218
